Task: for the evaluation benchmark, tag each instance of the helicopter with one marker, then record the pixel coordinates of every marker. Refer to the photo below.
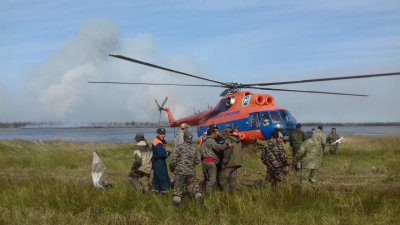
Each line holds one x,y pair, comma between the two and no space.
254,115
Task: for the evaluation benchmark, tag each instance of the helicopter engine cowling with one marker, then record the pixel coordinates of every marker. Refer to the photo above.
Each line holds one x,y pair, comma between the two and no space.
269,100
258,99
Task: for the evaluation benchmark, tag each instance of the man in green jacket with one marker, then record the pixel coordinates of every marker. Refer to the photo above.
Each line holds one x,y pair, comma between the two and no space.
310,156
232,159
210,159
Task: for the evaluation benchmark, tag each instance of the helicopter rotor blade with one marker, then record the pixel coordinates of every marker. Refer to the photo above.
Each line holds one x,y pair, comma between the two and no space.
323,79
159,84
163,68
308,91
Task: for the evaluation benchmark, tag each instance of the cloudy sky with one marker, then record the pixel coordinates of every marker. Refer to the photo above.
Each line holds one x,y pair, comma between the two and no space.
50,49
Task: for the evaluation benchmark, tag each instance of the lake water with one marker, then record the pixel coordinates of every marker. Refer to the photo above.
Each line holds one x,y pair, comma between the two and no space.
126,135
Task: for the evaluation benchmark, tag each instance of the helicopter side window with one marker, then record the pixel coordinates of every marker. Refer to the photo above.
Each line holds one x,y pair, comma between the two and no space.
255,120
275,116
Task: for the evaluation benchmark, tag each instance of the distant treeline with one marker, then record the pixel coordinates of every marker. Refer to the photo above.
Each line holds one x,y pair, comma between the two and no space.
353,124
76,124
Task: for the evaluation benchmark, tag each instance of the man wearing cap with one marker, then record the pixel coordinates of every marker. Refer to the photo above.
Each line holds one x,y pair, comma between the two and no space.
210,159
179,135
183,165
160,181
141,166
296,138
232,159
275,158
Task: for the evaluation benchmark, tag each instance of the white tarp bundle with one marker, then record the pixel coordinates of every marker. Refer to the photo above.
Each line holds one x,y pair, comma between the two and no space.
98,169
338,141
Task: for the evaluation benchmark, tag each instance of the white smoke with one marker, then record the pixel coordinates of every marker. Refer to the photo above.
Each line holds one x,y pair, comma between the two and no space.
59,89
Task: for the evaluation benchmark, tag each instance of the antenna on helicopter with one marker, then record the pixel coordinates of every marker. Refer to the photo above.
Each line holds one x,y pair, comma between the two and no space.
160,108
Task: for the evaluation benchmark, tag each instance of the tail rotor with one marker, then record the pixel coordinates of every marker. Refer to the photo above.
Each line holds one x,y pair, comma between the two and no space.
160,108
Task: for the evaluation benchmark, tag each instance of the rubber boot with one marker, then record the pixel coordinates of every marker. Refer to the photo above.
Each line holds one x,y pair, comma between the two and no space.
176,200
199,198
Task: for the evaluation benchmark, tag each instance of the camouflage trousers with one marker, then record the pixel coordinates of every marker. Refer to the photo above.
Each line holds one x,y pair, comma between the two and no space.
333,149
210,176
228,178
275,175
187,183
140,180
308,175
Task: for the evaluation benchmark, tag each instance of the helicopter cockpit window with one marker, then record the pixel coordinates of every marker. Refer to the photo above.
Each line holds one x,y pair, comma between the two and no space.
254,120
265,120
275,116
222,106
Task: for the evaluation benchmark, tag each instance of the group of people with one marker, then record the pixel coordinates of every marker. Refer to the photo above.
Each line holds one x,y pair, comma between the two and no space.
220,157
307,152
308,149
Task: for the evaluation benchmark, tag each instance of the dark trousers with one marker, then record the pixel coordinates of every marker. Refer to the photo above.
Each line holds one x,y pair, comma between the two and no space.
160,181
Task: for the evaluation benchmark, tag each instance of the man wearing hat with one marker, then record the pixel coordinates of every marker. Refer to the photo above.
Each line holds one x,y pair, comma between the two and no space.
160,181
183,165
232,159
179,135
141,166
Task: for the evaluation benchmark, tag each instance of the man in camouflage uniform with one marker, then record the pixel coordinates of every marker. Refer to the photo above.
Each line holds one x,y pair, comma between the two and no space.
296,138
275,158
210,159
320,136
183,163
232,160
332,137
139,176
310,156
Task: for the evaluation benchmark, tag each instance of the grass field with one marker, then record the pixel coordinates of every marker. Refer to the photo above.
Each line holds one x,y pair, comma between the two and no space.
50,183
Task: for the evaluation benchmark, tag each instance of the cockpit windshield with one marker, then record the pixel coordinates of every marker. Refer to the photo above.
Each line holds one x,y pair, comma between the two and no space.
286,116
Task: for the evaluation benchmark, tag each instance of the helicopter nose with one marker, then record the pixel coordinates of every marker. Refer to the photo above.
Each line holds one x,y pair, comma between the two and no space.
266,129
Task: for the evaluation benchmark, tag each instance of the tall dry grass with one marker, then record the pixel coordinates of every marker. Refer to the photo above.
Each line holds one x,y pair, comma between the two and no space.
49,183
